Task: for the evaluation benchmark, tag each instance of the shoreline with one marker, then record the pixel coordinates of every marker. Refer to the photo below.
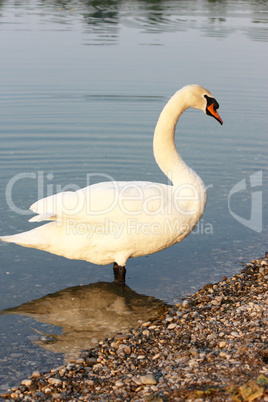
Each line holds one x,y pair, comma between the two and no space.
211,347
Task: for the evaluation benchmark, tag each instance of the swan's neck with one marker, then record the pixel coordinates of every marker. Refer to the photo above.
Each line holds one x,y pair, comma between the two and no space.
165,152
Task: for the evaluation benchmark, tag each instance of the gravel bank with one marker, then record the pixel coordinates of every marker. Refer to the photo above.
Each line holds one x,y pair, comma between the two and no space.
211,347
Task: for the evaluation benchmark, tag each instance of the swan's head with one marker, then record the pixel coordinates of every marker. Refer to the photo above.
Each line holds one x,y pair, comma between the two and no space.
200,98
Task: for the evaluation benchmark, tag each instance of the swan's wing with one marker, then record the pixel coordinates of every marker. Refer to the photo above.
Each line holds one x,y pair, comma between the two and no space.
52,207
87,201
107,199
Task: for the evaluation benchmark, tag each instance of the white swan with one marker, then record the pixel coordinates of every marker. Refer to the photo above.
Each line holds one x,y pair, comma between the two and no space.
110,222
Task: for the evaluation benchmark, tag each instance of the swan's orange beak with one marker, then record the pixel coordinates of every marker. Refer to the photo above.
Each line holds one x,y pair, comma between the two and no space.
213,112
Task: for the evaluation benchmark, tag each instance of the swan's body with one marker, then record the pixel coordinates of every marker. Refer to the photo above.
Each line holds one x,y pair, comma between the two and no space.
113,221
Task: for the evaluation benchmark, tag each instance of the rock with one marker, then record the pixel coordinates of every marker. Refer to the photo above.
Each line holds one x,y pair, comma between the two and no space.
141,357
54,381
169,319
251,391
91,360
80,361
137,380
57,396
146,324
262,381
146,332
127,350
214,302
27,382
36,374
148,379
235,334
119,384
121,337
210,337
185,304
6,395
39,394
157,356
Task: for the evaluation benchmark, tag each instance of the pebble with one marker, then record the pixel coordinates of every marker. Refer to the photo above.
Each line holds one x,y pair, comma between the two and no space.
146,324
169,319
57,396
38,394
121,337
80,361
157,356
137,381
235,334
185,304
54,381
148,379
127,350
212,346
27,382
47,390
119,384
36,374
146,332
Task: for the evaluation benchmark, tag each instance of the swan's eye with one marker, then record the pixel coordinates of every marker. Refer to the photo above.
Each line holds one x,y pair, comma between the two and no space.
211,101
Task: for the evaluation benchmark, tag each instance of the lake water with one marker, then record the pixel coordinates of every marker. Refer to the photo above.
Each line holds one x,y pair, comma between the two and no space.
81,89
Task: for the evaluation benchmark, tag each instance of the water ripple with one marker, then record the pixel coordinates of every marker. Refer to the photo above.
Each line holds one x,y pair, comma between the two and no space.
104,21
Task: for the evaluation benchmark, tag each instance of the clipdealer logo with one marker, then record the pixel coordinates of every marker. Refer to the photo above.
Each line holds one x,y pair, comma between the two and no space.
255,188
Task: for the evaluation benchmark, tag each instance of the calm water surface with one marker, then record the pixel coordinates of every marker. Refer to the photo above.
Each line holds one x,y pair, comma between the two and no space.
81,88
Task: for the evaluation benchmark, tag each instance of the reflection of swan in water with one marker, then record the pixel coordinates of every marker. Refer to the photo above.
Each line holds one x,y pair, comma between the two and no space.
88,314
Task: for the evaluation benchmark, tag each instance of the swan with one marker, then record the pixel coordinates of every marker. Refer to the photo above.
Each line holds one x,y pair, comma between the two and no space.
110,222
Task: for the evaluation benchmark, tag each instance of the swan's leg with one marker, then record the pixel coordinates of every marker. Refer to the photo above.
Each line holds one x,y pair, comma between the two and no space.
119,273
116,270
122,274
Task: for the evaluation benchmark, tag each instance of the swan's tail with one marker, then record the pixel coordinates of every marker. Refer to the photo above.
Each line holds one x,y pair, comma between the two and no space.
22,239
53,238
9,239
32,238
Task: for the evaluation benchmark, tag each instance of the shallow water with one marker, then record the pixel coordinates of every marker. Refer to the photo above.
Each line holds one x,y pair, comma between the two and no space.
81,89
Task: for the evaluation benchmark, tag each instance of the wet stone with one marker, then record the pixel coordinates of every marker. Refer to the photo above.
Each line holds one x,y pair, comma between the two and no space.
122,337
36,374
27,382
